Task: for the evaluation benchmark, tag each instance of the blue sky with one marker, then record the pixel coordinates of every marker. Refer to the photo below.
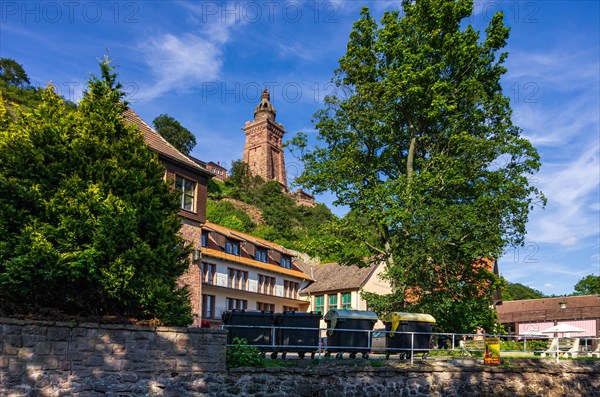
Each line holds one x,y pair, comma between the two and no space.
205,63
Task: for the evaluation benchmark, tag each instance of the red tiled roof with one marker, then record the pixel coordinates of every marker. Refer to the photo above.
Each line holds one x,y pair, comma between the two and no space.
335,277
530,310
254,263
253,240
159,144
243,236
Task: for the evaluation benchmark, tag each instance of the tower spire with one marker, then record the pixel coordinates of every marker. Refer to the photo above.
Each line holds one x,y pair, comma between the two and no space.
265,110
263,151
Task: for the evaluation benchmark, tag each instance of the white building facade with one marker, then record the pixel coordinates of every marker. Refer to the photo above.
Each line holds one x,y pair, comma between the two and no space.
240,271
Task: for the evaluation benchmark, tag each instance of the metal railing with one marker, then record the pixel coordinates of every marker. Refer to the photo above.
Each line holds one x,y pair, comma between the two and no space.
464,344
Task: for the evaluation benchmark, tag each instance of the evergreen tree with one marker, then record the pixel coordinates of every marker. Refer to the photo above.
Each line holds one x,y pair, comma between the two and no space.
87,224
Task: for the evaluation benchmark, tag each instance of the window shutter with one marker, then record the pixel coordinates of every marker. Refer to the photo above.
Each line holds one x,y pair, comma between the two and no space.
219,239
250,248
275,255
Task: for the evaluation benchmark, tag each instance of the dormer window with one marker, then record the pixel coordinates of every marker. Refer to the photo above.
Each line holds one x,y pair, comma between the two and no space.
232,247
187,190
286,262
204,239
261,255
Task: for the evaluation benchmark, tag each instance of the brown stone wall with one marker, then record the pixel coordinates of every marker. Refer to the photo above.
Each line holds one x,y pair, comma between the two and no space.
303,198
61,359
58,359
52,359
192,232
431,379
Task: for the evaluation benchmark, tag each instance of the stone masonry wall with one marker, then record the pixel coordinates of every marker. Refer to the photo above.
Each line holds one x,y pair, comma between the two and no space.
50,359
55,359
192,278
421,380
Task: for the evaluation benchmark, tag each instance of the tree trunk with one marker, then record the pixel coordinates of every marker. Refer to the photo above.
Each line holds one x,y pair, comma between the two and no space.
409,161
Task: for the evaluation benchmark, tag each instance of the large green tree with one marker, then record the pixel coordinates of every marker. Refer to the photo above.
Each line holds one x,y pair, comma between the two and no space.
418,139
176,134
12,73
87,224
15,85
589,285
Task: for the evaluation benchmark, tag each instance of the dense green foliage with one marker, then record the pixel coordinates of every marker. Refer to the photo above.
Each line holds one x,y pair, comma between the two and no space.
346,240
87,224
12,73
517,291
226,214
176,134
418,140
589,285
283,221
16,89
532,345
15,84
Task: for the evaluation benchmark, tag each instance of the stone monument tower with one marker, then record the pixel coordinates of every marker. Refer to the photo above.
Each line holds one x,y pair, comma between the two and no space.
263,151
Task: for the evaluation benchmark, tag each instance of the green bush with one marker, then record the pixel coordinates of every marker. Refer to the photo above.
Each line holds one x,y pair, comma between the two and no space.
225,214
511,345
532,345
537,345
218,189
266,232
243,355
88,226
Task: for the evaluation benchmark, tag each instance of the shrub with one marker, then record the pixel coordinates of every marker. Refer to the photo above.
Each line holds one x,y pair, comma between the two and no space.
88,226
225,214
243,355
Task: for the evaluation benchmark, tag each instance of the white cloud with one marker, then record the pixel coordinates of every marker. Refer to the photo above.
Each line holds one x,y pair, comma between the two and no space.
296,50
563,122
526,271
570,189
555,94
571,183
549,285
559,124
564,69
180,62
